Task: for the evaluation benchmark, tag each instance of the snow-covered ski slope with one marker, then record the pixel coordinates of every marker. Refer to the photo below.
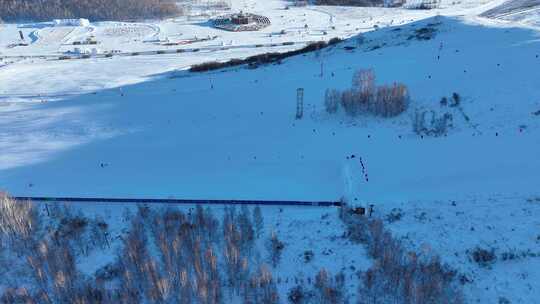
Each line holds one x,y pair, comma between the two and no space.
288,25
524,11
143,127
508,225
235,130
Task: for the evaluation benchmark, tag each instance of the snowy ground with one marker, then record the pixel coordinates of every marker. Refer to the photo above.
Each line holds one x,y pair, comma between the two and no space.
61,77
301,229
232,134
243,130
526,12
506,224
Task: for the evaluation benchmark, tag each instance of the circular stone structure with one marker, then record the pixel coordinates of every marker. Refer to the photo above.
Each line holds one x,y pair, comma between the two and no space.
241,22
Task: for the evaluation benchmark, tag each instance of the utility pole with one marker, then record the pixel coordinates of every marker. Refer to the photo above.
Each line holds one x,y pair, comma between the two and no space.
299,103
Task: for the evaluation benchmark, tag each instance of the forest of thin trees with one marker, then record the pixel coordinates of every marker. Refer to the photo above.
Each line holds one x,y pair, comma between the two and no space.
166,256
399,275
94,10
171,256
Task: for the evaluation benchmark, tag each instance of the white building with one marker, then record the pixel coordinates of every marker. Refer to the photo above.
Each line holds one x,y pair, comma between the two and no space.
71,22
84,51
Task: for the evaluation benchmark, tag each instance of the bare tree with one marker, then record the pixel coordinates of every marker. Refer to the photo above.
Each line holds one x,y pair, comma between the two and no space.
17,219
363,81
391,100
258,220
430,123
261,288
329,290
398,275
331,100
275,247
18,222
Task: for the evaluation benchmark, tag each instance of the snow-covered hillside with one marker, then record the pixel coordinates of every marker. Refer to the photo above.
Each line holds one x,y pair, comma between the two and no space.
162,137
144,126
297,25
524,11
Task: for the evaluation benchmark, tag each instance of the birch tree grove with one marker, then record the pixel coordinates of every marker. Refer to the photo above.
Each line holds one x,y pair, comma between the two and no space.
168,255
365,97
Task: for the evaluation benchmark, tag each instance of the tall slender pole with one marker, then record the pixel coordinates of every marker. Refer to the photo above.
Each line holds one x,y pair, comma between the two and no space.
299,103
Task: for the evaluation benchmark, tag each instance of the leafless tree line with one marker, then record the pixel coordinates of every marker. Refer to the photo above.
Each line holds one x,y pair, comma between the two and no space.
365,97
170,256
194,263
326,290
48,249
422,4
167,256
46,10
18,223
399,275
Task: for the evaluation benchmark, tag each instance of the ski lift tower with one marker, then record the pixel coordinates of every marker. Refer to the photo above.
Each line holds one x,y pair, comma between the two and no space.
299,103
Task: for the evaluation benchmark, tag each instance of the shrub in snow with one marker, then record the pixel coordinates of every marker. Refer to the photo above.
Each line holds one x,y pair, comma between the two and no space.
100,233
326,289
514,254
456,100
298,295
425,33
483,257
308,256
395,215
72,229
443,102
503,300
430,123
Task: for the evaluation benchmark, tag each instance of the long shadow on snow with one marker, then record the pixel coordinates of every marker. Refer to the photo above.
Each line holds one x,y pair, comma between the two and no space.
179,137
